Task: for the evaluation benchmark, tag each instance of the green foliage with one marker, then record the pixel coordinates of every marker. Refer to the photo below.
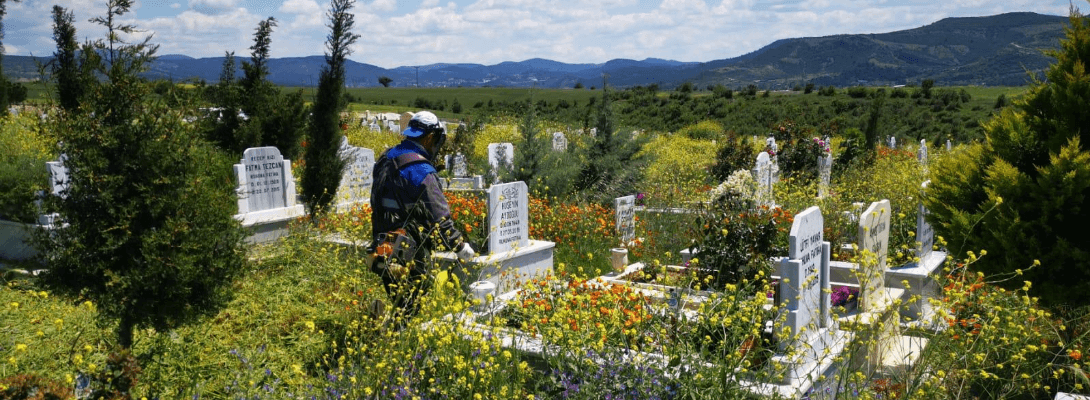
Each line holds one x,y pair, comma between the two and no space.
736,240
732,155
148,233
1022,195
324,165
613,164
676,165
529,153
66,69
385,81
799,151
223,125
703,130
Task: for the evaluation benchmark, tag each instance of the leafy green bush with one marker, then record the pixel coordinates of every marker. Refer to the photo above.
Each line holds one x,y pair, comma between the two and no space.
733,155
1022,195
22,166
148,232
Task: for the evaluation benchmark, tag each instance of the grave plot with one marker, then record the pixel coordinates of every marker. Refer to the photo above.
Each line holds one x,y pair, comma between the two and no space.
783,348
266,194
509,257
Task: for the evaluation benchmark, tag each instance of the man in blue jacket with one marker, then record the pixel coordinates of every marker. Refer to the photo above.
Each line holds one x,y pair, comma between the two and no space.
410,217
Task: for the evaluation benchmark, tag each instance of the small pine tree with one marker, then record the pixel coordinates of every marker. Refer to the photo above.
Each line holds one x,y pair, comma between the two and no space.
66,67
529,151
146,230
324,165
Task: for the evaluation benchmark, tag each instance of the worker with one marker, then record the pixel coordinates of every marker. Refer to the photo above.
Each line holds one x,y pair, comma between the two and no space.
410,217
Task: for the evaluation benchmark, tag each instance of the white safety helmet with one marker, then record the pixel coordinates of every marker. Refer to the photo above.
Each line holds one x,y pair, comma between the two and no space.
422,123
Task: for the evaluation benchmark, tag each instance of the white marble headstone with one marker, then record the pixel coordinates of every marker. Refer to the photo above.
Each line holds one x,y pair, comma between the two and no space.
921,154
264,180
356,182
762,173
560,142
948,145
874,239
626,217
925,235
805,273
508,217
58,176
825,172
459,165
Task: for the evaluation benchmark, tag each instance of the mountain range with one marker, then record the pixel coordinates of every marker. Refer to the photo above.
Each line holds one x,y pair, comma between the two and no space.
1000,50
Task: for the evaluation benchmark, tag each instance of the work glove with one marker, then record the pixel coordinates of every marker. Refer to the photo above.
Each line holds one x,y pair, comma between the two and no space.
466,253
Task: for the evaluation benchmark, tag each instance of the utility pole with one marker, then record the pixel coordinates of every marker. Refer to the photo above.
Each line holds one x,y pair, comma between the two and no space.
417,76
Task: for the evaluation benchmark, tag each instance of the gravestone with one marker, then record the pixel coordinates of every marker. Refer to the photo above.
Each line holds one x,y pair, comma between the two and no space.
500,154
626,217
804,287
948,145
560,142
873,239
892,142
374,127
921,155
266,193
58,176
356,181
262,178
508,217
459,165
825,172
774,158
925,235
762,173
593,132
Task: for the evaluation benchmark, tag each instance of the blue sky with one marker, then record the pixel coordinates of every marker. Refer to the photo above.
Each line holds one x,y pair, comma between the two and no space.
404,33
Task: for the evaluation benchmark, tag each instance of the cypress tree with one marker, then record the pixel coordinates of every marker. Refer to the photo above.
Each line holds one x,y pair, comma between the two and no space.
324,165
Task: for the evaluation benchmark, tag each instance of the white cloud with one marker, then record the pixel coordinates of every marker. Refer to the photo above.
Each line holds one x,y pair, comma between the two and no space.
387,5
212,7
175,6
300,7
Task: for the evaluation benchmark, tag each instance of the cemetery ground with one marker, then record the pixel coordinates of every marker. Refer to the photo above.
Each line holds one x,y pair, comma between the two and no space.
301,323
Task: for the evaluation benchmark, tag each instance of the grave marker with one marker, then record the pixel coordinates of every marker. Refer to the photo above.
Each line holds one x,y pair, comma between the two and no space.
626,217
264,179
762,173
825,172
921,155
356,181
508,217
948,145
925,235
58,176
560,142
873,238
459,168
804,286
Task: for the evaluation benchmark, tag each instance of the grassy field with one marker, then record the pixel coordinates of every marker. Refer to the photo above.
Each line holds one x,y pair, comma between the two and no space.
404,99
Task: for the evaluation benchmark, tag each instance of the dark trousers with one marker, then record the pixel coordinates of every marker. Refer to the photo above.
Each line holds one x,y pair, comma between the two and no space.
406,290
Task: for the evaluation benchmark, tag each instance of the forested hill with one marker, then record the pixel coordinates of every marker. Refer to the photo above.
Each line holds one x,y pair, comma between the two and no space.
995,50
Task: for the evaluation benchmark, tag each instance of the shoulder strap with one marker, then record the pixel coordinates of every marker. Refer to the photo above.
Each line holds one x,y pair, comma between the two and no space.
408,159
